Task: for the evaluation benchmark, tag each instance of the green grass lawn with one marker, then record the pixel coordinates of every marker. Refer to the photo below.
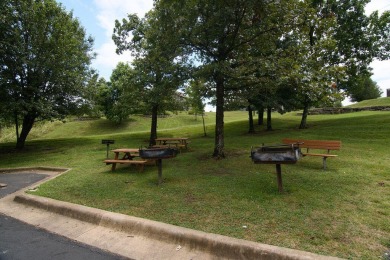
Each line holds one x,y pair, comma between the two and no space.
343,211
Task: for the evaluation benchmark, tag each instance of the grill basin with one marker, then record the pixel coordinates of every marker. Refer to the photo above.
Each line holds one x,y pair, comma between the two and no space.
157,153
276,154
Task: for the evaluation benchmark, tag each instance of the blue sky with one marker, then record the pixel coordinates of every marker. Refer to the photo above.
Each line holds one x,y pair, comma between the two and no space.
98,17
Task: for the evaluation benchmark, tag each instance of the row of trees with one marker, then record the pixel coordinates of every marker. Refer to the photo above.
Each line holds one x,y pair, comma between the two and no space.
262,55
124,95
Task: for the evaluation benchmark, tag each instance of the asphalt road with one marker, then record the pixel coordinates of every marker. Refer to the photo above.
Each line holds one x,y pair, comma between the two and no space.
21,241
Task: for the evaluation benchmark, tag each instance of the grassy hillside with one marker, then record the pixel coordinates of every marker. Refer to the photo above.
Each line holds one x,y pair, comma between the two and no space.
384,101
101,127
77,128
343,211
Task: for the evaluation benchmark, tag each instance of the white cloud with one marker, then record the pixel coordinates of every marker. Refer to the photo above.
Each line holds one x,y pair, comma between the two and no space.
107,11
382,69
377,5
110,10
381,75
107,59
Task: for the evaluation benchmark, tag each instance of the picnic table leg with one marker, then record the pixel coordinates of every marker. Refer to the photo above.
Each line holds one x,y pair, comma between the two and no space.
159,166
279,176
113,167
140,168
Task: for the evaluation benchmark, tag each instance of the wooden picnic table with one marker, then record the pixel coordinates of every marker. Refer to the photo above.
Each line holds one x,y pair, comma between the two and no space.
128,153
126,156
178,142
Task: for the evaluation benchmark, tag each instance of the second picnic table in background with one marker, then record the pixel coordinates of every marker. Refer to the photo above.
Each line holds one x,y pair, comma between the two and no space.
178,142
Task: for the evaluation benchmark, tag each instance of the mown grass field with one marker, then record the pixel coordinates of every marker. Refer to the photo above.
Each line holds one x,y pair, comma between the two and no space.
343,211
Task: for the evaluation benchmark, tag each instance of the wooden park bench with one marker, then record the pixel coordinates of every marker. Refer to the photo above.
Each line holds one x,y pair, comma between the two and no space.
327,145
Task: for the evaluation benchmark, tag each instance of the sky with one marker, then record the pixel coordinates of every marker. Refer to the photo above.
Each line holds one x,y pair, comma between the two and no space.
98,18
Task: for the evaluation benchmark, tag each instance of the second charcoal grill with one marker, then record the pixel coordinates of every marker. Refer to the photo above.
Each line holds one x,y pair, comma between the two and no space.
276,154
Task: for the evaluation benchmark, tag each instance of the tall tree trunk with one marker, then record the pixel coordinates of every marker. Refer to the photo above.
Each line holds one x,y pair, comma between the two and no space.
153,128
251,126
28,122
16,125
269,119
219,123
204,125
260,120
304,117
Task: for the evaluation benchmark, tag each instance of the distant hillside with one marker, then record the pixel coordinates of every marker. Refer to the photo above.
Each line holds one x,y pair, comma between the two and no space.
379,104
384,101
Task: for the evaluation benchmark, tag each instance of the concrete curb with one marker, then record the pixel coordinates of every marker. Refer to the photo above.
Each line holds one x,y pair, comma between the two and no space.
217,245
34,169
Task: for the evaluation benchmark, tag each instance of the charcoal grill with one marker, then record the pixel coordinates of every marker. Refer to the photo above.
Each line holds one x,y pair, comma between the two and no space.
158,154
276,154
108,142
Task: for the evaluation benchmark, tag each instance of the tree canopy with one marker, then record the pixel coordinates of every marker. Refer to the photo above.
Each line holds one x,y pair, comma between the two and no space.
217,33
44,61
365,88
251,52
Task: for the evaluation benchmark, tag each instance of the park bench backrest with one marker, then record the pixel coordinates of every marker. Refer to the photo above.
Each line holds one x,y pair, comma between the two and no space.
315,144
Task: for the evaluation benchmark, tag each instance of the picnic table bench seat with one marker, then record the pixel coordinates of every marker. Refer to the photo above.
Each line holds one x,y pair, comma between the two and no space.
139,163
326,145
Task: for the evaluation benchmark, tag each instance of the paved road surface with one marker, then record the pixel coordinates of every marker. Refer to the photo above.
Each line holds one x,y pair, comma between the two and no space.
21,241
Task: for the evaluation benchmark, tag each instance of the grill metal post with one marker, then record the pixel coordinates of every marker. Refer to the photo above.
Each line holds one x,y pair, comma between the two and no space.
108,142
159,166
279,176
158,154
276,154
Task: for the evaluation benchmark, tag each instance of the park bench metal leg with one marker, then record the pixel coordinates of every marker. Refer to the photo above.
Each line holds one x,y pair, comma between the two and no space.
324,162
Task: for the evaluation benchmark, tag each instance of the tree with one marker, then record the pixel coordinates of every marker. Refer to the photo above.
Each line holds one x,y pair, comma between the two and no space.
360,38
158,68
316,68
104,96
194,93
44,61
88,102
364,88
266,74
126,94
217,33
341,42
